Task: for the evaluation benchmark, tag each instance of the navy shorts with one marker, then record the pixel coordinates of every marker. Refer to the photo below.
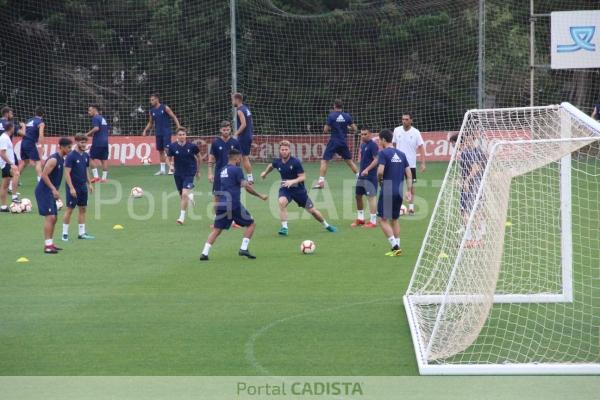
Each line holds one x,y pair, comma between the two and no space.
6,173
184,182
45,201
300,196
163,140
245,144
334,147
29,150
388,207
99,153
366,186
224,216
80,201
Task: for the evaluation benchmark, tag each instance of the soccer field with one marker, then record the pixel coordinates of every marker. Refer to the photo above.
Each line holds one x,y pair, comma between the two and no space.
138,302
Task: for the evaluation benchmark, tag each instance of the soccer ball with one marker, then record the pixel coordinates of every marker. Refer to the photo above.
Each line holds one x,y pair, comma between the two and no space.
26,205
137,192
308,247
146,161
403,210
15,208
59,204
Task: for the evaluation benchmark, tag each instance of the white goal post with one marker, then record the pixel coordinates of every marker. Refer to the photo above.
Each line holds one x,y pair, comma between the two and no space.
508,277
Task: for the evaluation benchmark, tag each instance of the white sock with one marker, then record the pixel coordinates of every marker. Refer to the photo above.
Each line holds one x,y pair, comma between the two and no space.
321,179
65,229
39,178
162,167
411,206
95,172
182,215
361,214
250,177
284,224
392,241
191,196
207,247
397,241
104,175
15,196
245,243
81,229
373,219
48,242
4,206
325,224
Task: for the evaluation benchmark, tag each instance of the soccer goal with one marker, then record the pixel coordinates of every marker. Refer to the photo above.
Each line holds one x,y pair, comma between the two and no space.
508,277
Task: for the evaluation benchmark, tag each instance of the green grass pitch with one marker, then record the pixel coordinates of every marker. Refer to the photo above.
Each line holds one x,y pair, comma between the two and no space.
138,301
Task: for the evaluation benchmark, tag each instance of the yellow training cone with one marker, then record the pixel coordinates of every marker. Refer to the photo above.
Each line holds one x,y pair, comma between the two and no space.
118,227
22,259
508,223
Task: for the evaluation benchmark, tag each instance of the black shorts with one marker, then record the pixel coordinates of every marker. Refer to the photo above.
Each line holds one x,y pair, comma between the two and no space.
6,173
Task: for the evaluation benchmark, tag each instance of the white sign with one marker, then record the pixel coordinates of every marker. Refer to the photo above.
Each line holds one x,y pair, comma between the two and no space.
575,39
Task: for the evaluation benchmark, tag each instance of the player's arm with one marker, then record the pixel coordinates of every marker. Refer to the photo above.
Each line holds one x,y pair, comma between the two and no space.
267,171
326,129
292,182
148,125
242,126
4,156
253,192
70,182
42,129
380,170
197,156
409,183
353,128
90,185
48,168
211,167
171,114
421,151
93,131
370,167
21,130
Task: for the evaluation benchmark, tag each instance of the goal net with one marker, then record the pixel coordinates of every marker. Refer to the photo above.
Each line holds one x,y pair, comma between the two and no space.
508,277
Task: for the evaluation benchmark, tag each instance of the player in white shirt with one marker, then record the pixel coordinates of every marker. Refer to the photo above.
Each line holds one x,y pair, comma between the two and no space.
408,140
7,165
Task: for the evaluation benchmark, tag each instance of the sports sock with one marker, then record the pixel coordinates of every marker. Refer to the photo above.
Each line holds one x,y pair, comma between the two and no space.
361,214
182,215
245,243
48,242
250,177
321,179
81,229
411,206
104,175
95,172
284,224
373,218
392,241
207,247
65,229
397,241
325,224
162,167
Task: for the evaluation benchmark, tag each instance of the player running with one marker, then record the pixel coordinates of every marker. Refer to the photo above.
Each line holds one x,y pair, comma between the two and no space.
245,130
33,141
77,186
393,168
219,154
186,159
46,192
160,116
337,124
366,183
292,187
7,165
229,207
99,149
408,140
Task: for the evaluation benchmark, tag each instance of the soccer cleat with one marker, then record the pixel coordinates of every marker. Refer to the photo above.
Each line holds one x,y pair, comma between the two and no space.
283,231
160,172
65,238
246,253
4,209
171,171
94,180
370,225
331,229
411,211
319,185
50,250
203,257
357,222
16,199
85,236
394,252
179,222
56,248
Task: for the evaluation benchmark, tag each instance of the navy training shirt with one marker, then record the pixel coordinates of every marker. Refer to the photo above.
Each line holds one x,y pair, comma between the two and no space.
289,170
184,157
395,163
78,162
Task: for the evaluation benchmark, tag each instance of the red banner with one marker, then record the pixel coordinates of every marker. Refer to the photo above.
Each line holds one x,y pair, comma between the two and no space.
131,150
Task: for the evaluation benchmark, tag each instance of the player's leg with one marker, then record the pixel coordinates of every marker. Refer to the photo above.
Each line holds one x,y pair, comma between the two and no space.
327,156
247,168
4,191
242,217
283,214
160,147
104,163
67,220
183,206
49,224
38,169
82,231
14,181
359,191
305,202
385,212
411,204
212,237
372,200
344,151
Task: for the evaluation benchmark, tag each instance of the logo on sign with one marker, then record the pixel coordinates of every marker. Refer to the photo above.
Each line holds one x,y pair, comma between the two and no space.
582,40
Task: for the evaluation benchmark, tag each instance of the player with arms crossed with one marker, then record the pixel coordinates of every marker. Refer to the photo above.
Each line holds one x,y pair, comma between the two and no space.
7,165
229,207
408,140
393,168
219,155
32,141
186,158
46,192
160,116
292,187
366,183
99,149
245,131
77,186
337,124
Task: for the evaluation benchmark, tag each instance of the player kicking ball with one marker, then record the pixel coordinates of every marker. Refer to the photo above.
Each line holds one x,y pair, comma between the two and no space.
46,192
229,207
393,166
366,183
78,185
186,160
292,187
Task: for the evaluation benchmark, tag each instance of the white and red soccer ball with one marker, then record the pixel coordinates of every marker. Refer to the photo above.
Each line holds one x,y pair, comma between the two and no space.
308,247
137,192
146,161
